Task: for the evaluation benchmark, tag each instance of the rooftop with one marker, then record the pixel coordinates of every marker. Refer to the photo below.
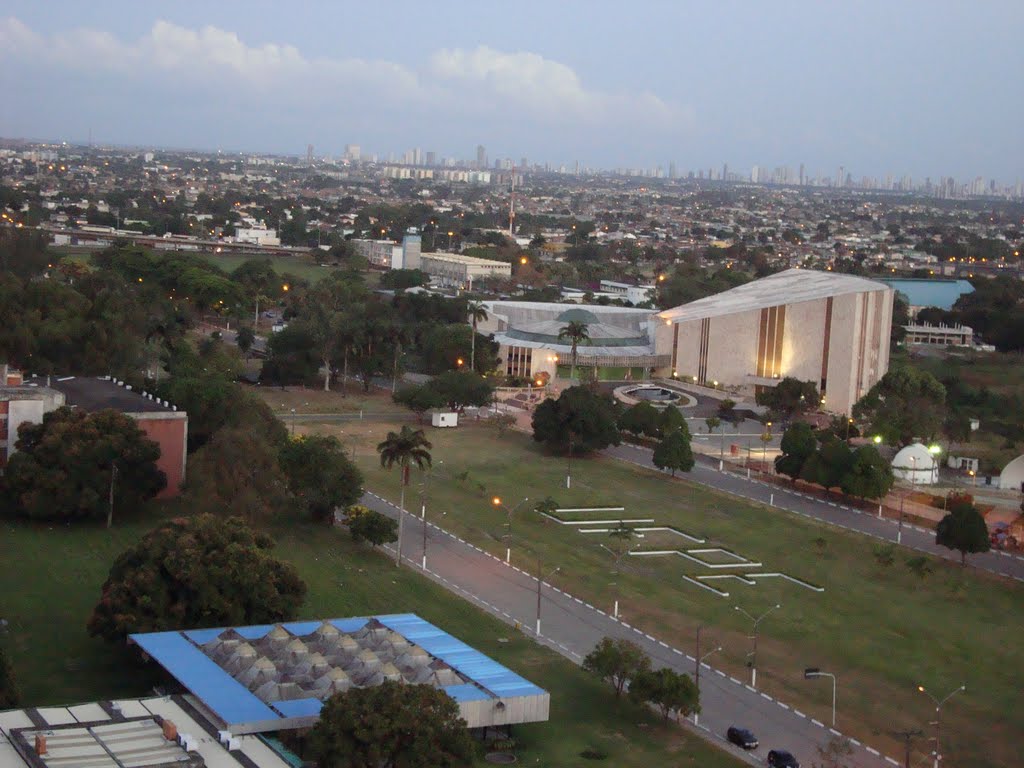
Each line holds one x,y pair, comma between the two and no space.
458,258
96,394
126,733
790,287
274,677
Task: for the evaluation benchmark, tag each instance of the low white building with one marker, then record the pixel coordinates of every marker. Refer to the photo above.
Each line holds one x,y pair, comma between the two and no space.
941,335
257,235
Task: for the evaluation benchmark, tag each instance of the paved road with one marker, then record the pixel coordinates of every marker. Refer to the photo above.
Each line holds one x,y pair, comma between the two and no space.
706,473
573,627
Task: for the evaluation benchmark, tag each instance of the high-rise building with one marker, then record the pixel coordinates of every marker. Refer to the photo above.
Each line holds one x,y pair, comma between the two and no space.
672,174
481,156
801,174
725,171
431,158
309,154
840,176
352,152
522,162
755,174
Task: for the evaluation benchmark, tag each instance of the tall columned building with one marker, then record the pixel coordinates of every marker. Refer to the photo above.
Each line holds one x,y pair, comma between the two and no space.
823,327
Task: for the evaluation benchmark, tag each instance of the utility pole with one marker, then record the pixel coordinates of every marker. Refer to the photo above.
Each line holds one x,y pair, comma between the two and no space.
908,737
698,660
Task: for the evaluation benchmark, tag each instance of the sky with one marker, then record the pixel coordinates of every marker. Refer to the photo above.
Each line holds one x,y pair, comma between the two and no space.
917,88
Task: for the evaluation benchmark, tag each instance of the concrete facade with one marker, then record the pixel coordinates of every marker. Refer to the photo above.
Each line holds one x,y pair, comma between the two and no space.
832,330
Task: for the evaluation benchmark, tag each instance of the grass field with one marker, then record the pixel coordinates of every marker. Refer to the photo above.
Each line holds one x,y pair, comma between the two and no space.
50,577
882,629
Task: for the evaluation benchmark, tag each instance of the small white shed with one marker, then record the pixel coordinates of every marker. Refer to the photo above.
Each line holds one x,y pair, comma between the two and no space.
444,418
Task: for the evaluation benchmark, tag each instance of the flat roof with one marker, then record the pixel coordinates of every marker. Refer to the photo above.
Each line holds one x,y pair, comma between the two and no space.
275,676
458,258
125,733
98,393
790,287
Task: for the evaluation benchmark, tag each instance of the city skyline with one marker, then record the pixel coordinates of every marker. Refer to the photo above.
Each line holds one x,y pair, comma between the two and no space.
912,91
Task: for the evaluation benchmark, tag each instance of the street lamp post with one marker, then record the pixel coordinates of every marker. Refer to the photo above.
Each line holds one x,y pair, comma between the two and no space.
509,511
423,510
765,439
815,672
753,653
937,754
540,581
698,660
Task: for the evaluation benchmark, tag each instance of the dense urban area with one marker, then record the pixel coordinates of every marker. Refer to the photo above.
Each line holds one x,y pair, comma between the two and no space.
610,465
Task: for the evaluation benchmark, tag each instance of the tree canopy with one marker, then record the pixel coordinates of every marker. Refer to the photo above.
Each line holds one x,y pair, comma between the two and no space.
579,419
195,572
372,527
798,445
906,403
63,466
668,690
674,453
617,661
642,418
391,726
963,529
319,475
789,398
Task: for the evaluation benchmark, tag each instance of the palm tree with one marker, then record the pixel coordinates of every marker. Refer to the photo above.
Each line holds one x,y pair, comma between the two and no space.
476,312
405,448
576,331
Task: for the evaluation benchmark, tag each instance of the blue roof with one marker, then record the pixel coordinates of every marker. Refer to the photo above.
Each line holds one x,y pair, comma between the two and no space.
181,655
929,293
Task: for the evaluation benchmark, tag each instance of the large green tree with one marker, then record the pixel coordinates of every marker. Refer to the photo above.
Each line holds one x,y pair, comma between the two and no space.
459,389
579,421
63,467
668,690
906,403
617,661
671,419
790,397
828,465
320,476
641,418
869,475
674,453
201,571
798,445
391,726
963,529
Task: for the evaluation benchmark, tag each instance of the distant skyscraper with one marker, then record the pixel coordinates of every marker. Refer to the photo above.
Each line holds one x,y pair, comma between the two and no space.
725,171
352,152
840,176
309,154
755,174
522,162
417,156
801,174
672,174
431,158
481,156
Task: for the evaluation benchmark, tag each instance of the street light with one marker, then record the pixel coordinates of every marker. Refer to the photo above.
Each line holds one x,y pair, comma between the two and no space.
938,709
753,653
815,672
423,509
698,660
540,581
496,501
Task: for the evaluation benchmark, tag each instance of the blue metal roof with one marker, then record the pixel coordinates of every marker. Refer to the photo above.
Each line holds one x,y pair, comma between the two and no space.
181,655
231,700
929,293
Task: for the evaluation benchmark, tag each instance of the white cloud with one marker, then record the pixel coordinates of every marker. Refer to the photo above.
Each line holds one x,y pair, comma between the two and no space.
452,82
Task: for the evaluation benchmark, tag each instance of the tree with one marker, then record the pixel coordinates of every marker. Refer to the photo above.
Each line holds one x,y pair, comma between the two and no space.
476,312
579,421
727,410
671,419
63,467
789,398
617,661
245,338
828,465
459,389
406,448
238,473
418,398
391,725
201,571
869,475
577,332
906,403
400,279
668,690
963,529
642,418
798,445
320,475
674,453
8,686
374,527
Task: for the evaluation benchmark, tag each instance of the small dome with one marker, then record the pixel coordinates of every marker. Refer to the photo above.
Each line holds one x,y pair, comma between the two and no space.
577,315
916,465
1012,477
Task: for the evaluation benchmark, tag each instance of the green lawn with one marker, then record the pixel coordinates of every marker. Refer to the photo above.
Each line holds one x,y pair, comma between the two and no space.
882,630
50,577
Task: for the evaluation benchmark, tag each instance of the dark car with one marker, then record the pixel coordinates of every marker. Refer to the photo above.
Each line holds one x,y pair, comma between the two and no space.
780,758
741,737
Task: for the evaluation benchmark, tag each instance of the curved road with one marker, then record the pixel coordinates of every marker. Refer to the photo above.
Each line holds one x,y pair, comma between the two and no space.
573,627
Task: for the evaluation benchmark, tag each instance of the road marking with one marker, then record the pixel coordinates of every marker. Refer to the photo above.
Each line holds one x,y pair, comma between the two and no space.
798,713
817,722
784,706
766,696
834,732
873,751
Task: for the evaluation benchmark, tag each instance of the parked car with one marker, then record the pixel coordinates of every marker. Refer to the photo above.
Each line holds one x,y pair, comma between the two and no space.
741,737
780,758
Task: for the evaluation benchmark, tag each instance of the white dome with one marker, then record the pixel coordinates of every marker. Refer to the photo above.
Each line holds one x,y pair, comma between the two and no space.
915,464
1012,478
